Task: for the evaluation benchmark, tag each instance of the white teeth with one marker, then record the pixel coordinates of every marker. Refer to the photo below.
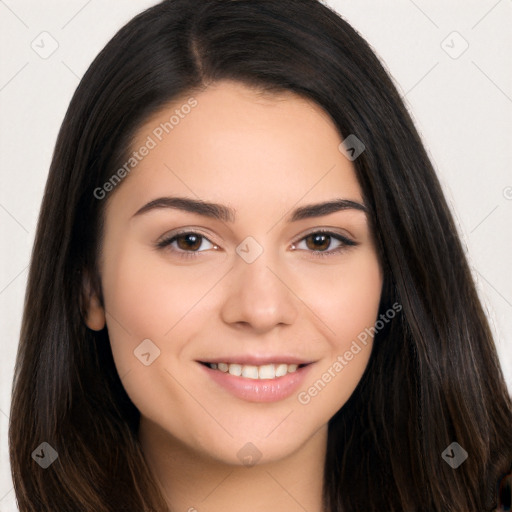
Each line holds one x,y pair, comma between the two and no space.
281,370
235,369
266,371
251,372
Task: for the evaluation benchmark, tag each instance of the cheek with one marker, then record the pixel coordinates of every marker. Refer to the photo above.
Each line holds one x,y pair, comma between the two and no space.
347,306
147,298
347,299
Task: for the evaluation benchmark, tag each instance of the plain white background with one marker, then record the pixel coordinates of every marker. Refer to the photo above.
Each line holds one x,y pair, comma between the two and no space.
449,60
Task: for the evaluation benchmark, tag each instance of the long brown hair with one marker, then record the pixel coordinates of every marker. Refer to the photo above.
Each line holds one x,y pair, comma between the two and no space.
433,377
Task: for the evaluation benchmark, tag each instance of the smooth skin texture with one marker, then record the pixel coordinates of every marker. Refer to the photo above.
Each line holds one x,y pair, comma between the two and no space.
263,155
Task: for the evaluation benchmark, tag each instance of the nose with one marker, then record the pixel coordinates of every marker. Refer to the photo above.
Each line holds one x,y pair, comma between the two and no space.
259,296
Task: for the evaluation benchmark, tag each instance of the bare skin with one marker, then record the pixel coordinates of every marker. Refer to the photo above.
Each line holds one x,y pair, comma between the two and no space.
263,156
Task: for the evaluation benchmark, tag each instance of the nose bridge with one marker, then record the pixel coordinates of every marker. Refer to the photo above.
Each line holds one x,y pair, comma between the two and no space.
257,293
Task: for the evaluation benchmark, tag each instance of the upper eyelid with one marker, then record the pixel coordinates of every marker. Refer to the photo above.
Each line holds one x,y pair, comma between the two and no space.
325,230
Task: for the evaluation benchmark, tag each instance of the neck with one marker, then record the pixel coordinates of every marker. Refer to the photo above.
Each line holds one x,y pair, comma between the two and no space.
192,481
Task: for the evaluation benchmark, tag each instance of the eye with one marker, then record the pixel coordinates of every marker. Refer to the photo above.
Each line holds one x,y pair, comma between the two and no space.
188,243
318,241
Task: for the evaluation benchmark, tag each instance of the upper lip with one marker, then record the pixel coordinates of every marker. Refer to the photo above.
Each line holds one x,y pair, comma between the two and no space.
256,360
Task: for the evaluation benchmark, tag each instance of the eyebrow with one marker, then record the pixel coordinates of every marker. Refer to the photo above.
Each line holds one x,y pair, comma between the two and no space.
228,214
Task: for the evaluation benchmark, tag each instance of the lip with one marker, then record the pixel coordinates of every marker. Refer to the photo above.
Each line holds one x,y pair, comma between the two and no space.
257,360
255,390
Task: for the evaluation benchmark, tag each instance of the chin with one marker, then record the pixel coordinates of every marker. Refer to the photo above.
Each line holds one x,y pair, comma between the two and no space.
247,450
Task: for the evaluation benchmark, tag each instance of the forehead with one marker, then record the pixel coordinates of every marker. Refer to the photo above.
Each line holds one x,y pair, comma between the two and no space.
234,144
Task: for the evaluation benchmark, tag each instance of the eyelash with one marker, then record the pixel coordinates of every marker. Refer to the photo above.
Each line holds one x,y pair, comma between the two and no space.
345,243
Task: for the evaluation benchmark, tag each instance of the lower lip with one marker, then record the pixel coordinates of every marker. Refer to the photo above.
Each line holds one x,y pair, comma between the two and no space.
256,390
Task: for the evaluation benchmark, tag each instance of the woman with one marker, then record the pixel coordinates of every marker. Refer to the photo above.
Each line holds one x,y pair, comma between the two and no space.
326,348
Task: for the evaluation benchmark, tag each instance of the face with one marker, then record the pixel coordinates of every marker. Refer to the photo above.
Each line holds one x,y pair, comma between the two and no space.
257,284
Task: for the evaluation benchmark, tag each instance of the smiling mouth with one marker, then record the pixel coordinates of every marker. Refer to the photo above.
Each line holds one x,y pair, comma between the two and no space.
263,372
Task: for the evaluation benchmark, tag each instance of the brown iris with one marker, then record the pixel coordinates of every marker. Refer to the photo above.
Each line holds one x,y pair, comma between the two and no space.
318,238
190,241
